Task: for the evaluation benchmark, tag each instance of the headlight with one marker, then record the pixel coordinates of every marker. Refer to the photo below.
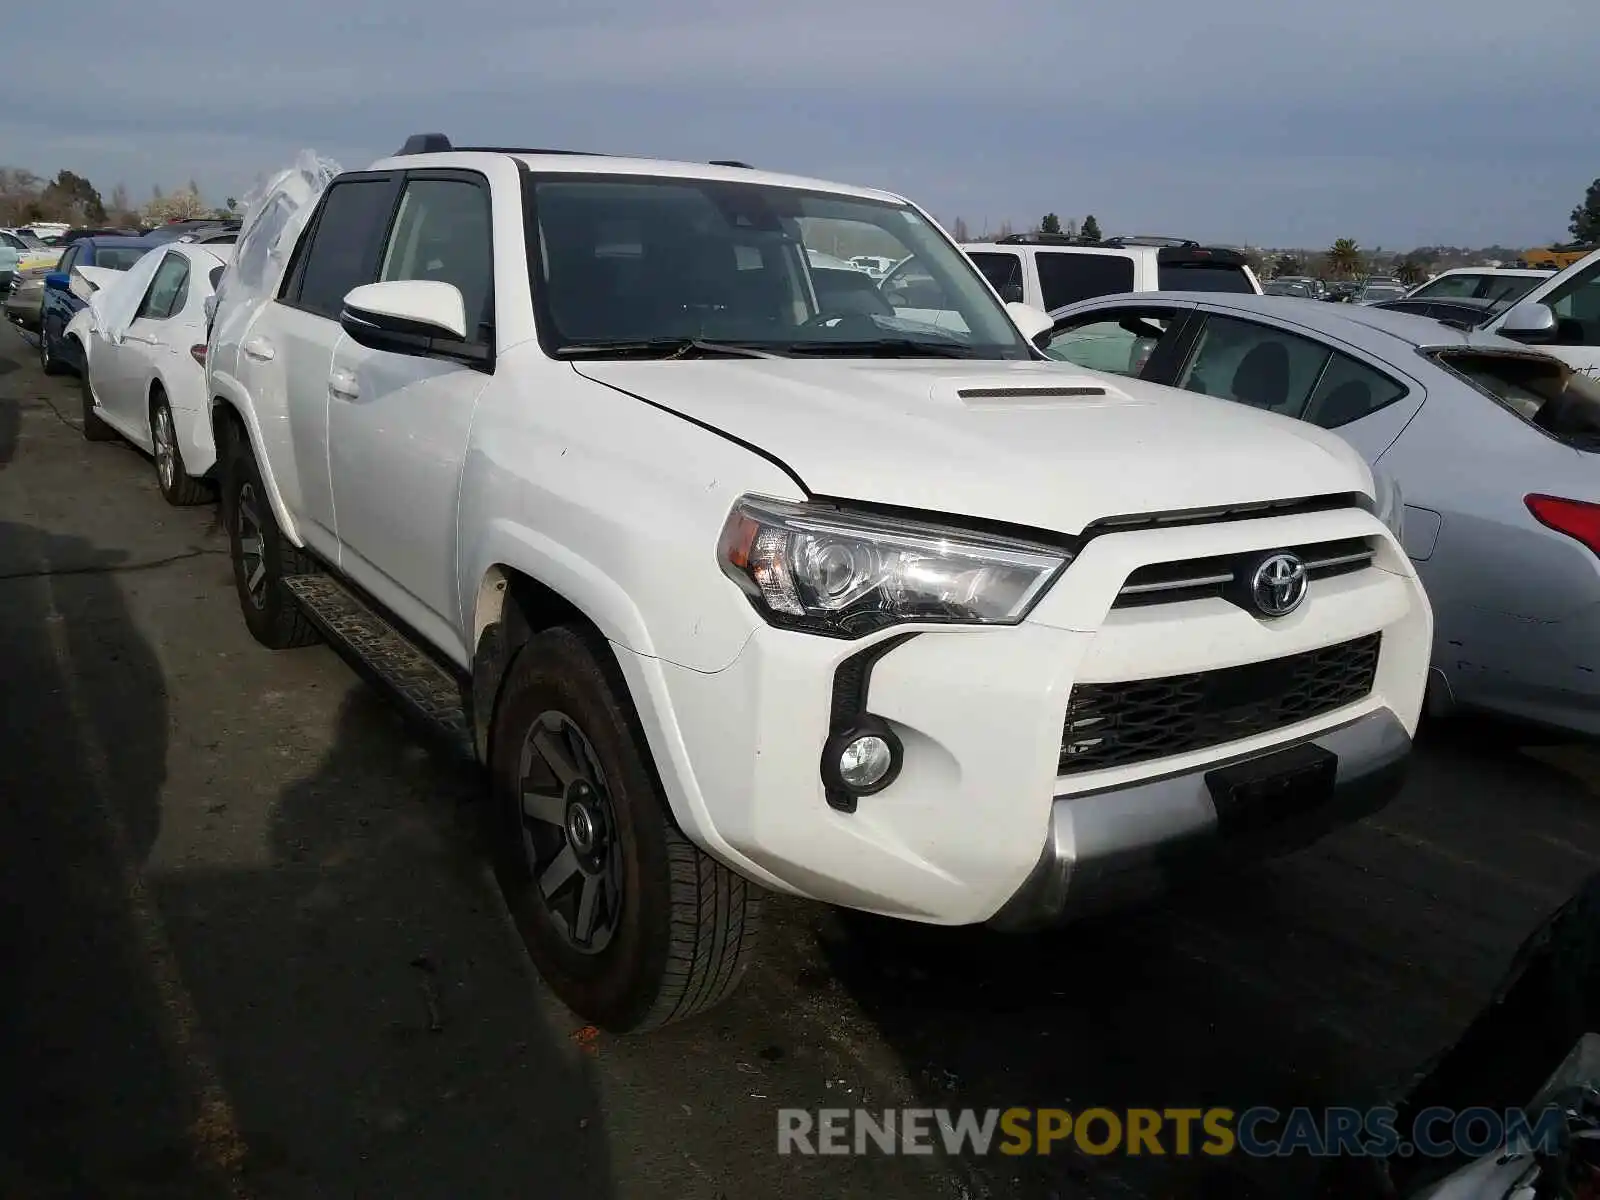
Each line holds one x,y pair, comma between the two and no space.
847,574
1391,505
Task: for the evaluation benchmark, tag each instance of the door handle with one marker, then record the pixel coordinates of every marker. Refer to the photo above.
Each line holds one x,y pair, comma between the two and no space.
342,385
259,349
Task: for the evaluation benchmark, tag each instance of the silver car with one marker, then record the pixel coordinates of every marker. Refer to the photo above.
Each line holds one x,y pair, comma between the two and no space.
1495,448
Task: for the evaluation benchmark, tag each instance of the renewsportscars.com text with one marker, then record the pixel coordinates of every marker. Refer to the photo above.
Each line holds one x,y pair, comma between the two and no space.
1260,1132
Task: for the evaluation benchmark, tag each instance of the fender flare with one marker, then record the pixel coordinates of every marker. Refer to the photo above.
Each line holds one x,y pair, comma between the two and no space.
222,397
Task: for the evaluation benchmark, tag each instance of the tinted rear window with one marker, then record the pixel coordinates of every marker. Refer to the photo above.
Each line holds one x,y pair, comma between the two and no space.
1202,277
118,258
1543,391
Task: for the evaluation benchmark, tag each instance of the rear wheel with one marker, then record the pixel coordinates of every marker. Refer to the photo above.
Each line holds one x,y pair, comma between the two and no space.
630,923
177,486
94,429
262,556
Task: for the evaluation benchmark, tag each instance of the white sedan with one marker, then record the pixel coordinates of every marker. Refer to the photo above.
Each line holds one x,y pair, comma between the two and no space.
146,371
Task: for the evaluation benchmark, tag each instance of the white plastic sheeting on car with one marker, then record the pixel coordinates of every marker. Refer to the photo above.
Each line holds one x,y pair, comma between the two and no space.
274,215
115,301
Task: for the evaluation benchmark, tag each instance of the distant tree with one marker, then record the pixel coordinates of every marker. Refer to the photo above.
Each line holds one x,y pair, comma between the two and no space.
1050,224
1287,264
182,205
1091,228
1585,225
233,206
71,197
19,196
1411,271
1344,258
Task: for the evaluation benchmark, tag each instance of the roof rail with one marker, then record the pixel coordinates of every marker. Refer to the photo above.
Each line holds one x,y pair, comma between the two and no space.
1043,239
438,143
1148,239
731,162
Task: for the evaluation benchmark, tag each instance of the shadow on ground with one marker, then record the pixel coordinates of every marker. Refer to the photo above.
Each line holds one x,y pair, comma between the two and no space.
1326,978
351,1018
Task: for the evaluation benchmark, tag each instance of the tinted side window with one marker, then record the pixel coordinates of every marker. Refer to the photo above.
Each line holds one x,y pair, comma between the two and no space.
442,234
1004,271
344,248
1577,308
1120,342
1348,391
167,290
1067,278
1257,365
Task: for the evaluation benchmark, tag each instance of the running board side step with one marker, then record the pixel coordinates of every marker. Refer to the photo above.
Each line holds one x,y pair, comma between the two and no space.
428,695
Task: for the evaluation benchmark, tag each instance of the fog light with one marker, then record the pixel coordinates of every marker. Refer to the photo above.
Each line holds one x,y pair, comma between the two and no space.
860,759
865,761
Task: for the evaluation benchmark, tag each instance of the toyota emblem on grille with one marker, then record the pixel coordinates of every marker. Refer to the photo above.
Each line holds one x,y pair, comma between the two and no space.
1278,585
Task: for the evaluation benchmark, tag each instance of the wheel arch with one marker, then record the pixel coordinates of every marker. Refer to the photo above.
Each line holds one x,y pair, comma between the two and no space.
229,420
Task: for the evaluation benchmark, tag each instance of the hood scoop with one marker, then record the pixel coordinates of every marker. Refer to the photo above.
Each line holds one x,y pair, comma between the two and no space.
1073,392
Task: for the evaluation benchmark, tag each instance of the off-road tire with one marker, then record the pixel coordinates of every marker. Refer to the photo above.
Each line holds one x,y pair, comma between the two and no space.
688,927
184,490
276,621
94,429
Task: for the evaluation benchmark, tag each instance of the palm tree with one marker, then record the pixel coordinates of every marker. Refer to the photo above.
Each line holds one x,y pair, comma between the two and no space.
1345,257
1409,272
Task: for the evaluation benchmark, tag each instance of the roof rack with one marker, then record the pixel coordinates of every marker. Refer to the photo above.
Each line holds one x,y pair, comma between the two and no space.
438,143
1045,239
1147,239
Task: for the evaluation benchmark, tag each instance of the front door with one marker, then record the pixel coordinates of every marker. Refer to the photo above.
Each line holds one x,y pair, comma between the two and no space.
398,424
1574,296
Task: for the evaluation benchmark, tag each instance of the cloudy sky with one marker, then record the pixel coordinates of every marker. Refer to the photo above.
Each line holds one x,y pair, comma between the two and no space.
1276,122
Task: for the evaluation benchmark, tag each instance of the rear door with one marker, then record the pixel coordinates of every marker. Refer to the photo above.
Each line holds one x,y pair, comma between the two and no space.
145,348
1574,296
1298,372
290,348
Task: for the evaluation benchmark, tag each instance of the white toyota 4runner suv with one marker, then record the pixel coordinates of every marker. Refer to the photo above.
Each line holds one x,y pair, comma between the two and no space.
735,581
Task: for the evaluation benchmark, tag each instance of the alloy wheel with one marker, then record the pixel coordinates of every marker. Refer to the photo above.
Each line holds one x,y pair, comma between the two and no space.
569,832
252,545
166,447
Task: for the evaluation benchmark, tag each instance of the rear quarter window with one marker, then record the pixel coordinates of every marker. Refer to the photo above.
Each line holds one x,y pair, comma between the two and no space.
1202,277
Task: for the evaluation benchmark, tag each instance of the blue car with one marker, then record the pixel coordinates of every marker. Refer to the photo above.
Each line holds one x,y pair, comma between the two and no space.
58,353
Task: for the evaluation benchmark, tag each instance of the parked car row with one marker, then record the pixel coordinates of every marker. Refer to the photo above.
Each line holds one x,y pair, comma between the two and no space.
741,569
1492,433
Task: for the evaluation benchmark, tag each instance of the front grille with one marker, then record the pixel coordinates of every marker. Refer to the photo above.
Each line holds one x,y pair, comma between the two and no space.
1199,578
1118,724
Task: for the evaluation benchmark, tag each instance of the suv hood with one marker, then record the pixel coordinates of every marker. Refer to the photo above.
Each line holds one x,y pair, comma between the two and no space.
988,439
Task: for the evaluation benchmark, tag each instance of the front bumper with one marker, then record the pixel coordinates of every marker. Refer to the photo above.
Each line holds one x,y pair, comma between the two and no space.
957,837
1110,848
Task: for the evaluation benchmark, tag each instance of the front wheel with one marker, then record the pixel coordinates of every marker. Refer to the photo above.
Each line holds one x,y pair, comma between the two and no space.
631,924
48,362
262,556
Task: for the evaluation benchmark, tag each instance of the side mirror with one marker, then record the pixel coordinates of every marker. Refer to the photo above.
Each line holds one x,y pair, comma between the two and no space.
407,316
1035,324
1012,293
57,281
1530,322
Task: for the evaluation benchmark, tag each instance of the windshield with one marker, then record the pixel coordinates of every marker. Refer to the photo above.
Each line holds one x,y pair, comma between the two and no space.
1543,391
632,265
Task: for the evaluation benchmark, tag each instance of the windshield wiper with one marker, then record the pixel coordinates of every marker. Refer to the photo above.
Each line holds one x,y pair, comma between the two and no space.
883,348
666,347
